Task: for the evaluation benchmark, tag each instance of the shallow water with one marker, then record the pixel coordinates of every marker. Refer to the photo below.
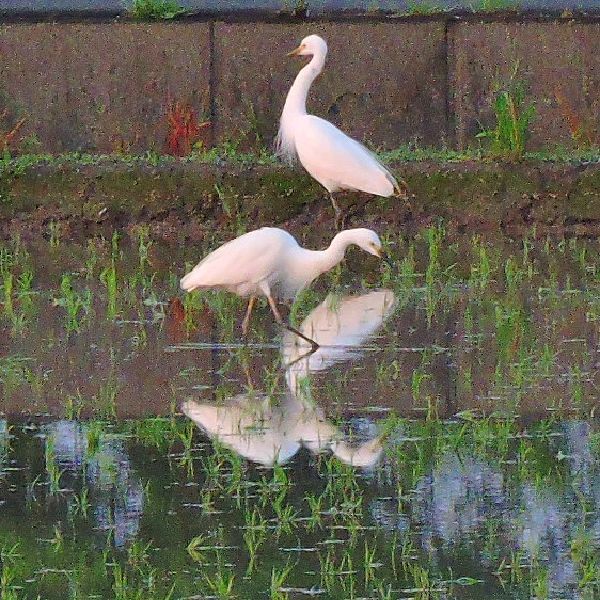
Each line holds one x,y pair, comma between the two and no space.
442,442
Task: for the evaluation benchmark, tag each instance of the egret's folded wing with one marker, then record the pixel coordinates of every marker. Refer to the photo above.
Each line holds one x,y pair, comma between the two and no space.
329,154
247,259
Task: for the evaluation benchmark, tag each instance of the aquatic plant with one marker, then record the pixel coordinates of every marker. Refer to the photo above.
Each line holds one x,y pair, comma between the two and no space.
255,535
278,578
108,277
221,584
73,302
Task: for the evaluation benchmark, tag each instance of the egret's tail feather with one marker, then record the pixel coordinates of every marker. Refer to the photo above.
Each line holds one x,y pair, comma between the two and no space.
285,146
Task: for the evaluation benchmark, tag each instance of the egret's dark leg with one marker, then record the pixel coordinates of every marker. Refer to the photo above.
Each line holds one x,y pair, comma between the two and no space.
313,345
278,318
246,320
401,189
339,215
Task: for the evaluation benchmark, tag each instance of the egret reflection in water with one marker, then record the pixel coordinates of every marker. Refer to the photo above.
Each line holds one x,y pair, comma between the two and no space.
253,427
341,326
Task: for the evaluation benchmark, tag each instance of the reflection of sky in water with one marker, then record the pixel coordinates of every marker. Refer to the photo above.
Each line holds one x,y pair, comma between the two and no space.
70,443
459,503
544,532
579,452
549,521
457,498
455,503
115,491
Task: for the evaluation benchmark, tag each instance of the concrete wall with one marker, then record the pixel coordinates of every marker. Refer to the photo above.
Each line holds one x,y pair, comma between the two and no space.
105,86
558,61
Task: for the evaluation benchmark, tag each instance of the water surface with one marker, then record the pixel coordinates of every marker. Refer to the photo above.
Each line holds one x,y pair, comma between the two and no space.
442,442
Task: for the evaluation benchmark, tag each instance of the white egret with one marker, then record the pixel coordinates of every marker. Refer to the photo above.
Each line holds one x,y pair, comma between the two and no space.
269,262
335,160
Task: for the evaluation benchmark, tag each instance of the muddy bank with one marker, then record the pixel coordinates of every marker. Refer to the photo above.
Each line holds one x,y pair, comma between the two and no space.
185,200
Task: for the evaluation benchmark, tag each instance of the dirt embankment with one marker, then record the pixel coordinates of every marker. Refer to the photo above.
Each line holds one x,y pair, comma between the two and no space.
185,200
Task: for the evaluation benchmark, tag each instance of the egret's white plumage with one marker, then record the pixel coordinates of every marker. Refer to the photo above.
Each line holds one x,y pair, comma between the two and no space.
335,160
269,262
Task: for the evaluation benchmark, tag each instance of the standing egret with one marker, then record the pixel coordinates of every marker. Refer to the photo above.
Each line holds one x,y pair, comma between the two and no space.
335,160
269,262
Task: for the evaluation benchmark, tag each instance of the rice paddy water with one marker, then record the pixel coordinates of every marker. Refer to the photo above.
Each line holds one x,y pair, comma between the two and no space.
442,443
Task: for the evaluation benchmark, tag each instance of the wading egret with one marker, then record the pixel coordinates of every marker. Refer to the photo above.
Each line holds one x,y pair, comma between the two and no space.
335,160
269,262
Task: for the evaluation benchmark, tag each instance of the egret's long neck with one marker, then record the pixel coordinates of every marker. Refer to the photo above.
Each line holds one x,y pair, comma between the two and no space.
320,261
295,103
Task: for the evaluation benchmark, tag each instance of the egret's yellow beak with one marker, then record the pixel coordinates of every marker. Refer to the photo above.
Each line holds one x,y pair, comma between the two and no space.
378,252
295,52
